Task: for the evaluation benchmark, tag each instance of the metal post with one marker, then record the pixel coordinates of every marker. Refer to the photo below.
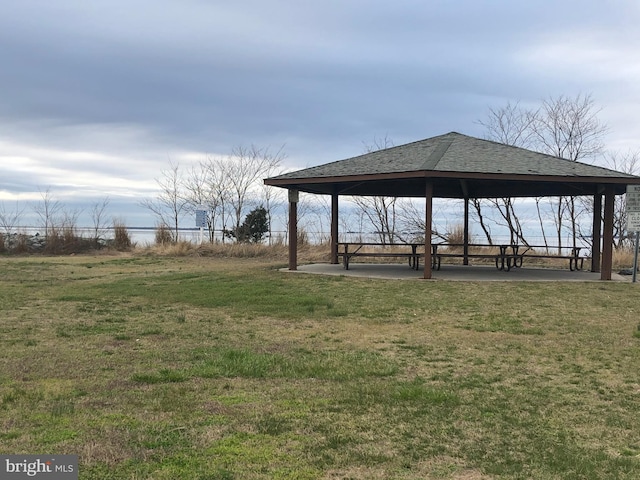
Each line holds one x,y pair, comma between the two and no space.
635,258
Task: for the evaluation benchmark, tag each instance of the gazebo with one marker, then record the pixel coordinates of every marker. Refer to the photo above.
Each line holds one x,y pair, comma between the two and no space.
459,167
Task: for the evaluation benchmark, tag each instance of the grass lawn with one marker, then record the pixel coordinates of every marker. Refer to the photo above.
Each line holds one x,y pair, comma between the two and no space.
202,368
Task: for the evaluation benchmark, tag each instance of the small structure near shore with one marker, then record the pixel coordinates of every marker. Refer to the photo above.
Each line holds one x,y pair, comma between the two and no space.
459,166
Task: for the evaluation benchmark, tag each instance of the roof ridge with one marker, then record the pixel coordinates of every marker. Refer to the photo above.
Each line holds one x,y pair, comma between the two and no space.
437,154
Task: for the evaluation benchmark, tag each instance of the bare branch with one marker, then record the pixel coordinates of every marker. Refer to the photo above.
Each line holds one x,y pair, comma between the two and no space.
243,173
511,125
98,211
170,203
48,210
10,219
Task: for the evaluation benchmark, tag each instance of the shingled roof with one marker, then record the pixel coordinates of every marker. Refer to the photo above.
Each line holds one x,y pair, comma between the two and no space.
459,166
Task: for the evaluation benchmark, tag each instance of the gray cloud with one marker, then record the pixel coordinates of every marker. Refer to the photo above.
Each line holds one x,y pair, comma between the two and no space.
133,84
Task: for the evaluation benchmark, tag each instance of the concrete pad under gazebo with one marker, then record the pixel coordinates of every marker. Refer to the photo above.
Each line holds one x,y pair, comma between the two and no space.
463,167
475,273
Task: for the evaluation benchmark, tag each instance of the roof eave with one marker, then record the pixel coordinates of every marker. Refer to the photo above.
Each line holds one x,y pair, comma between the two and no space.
426,174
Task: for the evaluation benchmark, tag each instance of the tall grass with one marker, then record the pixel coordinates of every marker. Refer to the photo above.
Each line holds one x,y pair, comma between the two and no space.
163,235
623,257
121,238
456,235
65,240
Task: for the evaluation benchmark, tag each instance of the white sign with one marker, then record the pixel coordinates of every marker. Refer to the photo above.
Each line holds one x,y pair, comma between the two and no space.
633,221
201,218
633,198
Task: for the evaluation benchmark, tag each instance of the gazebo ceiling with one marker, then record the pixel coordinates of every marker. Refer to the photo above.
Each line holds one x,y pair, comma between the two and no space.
458,166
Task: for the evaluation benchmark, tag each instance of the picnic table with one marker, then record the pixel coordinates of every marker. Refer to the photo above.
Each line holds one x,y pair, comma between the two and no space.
504,256
409,251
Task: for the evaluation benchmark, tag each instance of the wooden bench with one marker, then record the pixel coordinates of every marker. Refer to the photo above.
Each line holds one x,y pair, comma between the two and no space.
505,258
502,262
576,262
413,257
509,256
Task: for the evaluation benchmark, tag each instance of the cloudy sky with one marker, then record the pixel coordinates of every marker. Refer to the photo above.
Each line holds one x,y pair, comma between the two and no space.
96,97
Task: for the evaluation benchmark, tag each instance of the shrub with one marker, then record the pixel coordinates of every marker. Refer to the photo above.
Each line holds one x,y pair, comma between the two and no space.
303,237
253,229
19,244
181,248
53,241
121,238
71,242
64,240
456,235
164,235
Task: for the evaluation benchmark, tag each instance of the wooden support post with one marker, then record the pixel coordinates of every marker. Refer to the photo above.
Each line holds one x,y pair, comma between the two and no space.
334,228
293,229
427,229
465,192
466,232
607,235
597,232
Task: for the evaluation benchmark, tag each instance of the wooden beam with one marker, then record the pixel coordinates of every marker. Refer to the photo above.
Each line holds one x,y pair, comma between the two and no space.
464,186
427,229
607,235
293,229
466,232
597,232
334,228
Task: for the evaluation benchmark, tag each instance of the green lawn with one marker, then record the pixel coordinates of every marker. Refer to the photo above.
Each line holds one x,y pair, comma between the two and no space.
202,368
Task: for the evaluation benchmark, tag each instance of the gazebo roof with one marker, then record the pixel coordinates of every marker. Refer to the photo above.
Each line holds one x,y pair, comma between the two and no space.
458,166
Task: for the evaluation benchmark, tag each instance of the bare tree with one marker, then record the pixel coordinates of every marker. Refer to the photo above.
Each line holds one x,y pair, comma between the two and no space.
511,125
170,203
220,193
10,219
69,221
313,212
411,217
381,212
477,203
563,127
569,128
225,186
347,220
98,212
628,162
48,210
540,214
243,172
270,196
198,190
